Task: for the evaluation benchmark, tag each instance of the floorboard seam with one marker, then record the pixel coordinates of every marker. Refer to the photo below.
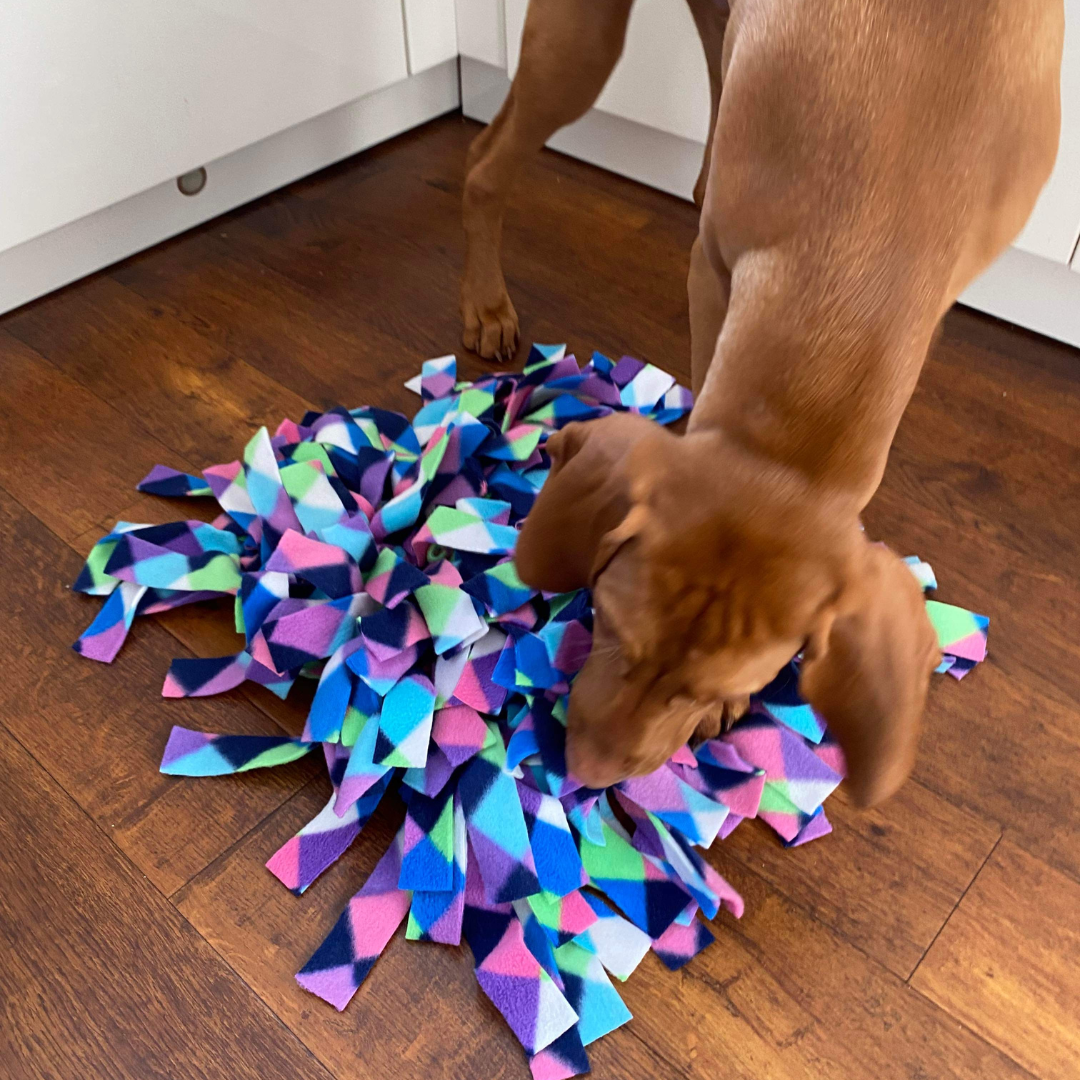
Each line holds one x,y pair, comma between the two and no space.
131,818
756,951
654,1052
948,918
173,897
258,997
960,803
976,1035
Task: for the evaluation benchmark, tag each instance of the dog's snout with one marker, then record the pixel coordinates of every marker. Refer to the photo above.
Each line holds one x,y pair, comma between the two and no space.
593,764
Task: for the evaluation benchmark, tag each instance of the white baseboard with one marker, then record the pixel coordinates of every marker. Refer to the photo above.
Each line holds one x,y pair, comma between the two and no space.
56,258
1032,292
648,155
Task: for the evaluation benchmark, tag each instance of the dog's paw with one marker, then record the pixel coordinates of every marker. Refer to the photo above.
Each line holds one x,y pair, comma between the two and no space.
720,719
491,323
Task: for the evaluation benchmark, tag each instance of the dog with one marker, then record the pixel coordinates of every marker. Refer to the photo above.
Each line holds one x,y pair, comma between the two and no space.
868,159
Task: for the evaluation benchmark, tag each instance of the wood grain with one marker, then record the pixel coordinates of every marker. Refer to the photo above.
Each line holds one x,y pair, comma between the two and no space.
1004,742
197,398
1006,963
384,250
327,353
101,976
885,877
66,455
99,729
865,1021
79,465
782,996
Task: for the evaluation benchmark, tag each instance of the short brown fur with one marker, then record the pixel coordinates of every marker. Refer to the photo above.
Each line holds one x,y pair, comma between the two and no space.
868,159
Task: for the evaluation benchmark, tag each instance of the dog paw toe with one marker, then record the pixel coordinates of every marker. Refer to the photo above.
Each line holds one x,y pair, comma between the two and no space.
491,327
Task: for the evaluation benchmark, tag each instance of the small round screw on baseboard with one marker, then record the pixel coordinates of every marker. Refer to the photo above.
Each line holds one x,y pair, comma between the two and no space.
191,183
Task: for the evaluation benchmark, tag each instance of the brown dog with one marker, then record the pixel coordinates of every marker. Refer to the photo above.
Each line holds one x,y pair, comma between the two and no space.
869,158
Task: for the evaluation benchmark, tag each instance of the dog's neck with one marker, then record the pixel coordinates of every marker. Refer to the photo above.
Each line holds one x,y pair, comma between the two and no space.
810,381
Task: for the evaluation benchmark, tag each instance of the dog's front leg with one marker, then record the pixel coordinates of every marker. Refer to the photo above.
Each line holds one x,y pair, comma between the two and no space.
567,52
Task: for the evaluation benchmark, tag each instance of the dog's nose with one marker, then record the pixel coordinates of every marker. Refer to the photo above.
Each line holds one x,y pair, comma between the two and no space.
591,766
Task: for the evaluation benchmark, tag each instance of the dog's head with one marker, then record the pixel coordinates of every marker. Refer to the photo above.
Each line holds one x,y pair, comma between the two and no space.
710,569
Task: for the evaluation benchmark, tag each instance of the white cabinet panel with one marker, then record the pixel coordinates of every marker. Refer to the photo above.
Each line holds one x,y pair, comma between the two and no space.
660,81
431,33
1054,225
1030,291
91,242
100,100
481,31
515,23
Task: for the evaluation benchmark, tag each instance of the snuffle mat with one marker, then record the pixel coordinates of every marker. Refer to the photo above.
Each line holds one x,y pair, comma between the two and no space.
375,554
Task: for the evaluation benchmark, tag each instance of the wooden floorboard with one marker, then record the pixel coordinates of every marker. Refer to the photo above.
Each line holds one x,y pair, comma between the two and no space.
101,977
70,457
783,996
197,398
780,996
420,1014
333,291
885,876
1006,963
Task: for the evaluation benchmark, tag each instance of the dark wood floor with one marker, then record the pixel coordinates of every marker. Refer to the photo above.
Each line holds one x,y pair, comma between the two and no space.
140,935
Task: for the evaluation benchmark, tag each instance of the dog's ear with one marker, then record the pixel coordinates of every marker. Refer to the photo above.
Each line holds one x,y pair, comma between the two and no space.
585,510
866,671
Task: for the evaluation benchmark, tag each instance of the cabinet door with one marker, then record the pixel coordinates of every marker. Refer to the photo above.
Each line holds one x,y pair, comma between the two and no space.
1054,225
660,81
481,30
103,100
431,33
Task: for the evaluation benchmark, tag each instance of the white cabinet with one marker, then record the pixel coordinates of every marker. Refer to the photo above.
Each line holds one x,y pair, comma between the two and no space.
100,100
661,79
103,103
431,33
1054,226
481,31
